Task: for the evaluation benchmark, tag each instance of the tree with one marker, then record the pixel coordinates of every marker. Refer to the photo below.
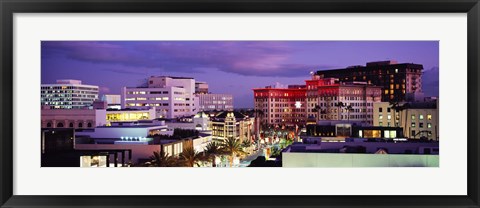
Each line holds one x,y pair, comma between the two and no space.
212,150
395,106
232,147
190,157
259,117
317,109
339,105
349,109
405,108
160,159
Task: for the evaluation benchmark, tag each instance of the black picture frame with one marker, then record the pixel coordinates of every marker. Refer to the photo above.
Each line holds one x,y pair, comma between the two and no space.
10,7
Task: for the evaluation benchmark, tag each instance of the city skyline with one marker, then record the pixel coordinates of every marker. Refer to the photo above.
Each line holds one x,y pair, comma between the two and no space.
234,67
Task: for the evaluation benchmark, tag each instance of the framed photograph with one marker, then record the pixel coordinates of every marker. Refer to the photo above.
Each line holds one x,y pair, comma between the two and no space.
266,103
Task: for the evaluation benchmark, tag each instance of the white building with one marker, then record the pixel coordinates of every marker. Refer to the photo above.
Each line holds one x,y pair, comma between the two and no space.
418,119
125,132
113,101
68,94
172,97
219,102
201,88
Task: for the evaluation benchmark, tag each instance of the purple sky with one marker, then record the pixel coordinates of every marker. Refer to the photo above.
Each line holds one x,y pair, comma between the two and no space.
233,67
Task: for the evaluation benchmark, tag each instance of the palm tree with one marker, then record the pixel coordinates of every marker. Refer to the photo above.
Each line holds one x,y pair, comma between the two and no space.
212,150
349,109
339,105
190,157
395,106
405,108
317,109
259,116
246,143
232,147
160,159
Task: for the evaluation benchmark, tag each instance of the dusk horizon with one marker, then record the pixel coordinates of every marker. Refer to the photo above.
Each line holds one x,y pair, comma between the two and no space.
230,67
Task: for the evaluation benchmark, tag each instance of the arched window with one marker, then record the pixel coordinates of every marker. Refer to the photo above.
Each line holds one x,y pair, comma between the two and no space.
60,125
70,125
89,125
49,125
80,125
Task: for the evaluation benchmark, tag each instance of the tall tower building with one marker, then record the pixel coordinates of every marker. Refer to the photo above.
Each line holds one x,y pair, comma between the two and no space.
399,82
68,94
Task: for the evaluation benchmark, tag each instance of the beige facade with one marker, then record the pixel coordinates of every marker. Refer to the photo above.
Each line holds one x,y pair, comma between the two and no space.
351,101
418,120
219,102
232,125
68,118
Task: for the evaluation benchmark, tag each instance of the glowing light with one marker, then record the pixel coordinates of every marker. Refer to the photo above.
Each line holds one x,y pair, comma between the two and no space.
298,104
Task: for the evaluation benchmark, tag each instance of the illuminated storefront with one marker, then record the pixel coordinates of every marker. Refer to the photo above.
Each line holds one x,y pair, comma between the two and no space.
113,115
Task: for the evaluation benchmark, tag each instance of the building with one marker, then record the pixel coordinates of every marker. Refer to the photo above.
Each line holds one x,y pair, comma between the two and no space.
72,118
312,153
230,124
418,119
201,88
59,149
218,102
172,97
329,99
319,99
126,115
399,82
113,101
68,94
128,131
343,130
278,105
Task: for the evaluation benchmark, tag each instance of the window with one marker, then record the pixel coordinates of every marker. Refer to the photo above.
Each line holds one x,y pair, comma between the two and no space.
380,117
70,125
420,116
89,125
429,116
49,125
413,133
380,123
413,124
413,116
389,117
380,109
429,125
80,125
60,125
388,110
420,125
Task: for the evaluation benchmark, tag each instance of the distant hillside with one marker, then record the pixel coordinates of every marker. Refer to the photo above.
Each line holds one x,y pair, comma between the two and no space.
430,82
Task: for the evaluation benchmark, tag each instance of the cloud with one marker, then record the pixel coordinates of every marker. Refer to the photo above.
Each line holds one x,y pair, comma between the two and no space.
249,58
430,82
104,90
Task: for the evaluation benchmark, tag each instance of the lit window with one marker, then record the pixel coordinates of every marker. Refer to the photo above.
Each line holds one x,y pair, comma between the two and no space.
389,117
429,116
413,117
429,125
420,116
380,123
413,124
